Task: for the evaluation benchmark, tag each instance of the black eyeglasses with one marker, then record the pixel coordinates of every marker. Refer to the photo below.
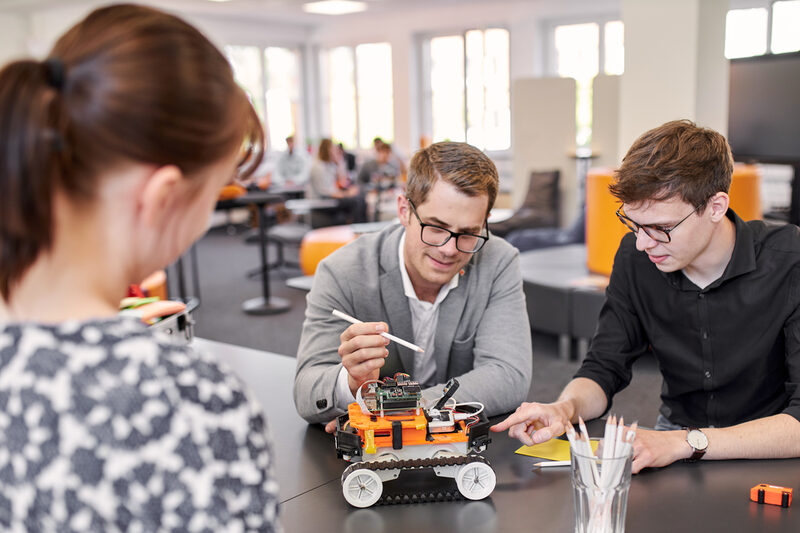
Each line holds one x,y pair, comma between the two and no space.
655,232
469,243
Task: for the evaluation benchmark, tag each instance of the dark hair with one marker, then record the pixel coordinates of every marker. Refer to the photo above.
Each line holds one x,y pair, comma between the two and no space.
679,159
467,168
126,84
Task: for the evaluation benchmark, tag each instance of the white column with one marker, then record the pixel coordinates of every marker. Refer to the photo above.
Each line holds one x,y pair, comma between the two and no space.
675,66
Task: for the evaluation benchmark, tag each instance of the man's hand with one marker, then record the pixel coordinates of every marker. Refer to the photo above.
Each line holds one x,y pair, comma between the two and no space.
330,427
658,448
363,352
535,423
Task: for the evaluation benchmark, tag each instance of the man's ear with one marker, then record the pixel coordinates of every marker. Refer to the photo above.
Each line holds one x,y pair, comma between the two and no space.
718,204
403,210
158,195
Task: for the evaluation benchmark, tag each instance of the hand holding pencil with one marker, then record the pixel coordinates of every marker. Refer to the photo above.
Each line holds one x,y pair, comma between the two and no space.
363,349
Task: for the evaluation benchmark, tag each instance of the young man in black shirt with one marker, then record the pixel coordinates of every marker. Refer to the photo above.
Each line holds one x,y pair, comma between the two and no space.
716,299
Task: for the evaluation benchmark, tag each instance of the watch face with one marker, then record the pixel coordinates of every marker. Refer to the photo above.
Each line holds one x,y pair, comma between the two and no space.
697,439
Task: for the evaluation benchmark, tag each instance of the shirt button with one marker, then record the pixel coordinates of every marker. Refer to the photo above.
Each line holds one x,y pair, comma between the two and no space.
705,334
707,374
701,295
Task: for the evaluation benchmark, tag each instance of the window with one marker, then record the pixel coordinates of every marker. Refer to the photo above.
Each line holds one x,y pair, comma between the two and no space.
360,102
271,77
466,88
748,31
785,27
581,51
745,32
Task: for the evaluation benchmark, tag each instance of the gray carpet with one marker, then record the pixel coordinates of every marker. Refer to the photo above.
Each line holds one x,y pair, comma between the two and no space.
224,260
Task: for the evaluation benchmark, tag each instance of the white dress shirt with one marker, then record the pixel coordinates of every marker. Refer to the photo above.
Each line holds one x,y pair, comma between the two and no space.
424,319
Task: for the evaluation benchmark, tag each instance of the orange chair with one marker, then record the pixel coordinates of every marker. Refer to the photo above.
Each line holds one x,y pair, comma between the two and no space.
604,231
229,192
320,243
745,192
603,228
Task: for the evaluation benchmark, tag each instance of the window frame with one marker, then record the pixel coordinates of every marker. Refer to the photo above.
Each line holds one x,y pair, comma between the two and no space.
549,39
425,90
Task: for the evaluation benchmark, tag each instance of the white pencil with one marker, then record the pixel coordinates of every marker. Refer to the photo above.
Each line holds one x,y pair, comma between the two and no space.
547,464
398,340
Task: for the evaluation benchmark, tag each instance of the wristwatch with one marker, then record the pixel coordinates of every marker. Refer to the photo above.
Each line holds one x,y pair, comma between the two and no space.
699,443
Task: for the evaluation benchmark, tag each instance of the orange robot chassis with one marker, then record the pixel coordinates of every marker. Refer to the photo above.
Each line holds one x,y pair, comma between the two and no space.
388,431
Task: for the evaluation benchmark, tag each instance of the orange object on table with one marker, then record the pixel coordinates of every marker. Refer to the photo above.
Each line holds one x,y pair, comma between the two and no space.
771,494
320,243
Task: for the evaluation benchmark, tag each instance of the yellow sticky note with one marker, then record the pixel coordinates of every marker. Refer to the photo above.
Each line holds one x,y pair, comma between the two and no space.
554,450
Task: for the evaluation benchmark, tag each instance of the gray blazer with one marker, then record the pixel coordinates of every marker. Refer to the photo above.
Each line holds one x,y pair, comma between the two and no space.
483,336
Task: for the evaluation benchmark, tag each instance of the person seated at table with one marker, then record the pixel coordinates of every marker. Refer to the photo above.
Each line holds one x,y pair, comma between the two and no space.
715,299
437,279
395,159
292,167
330,179
379,170
113,151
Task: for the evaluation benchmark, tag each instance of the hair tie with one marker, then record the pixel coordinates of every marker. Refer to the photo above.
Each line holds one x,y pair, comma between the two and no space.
54,72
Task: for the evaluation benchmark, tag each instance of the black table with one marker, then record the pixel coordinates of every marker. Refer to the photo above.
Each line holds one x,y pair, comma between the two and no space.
707,496
264,304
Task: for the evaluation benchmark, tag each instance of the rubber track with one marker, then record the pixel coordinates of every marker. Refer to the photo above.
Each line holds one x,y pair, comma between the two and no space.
417,464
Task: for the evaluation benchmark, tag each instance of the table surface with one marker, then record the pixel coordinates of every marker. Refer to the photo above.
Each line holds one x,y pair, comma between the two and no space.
708,495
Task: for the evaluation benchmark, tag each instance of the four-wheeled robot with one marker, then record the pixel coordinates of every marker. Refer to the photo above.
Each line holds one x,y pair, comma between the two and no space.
388,431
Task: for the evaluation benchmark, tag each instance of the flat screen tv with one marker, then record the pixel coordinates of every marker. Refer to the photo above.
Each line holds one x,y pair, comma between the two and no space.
764,108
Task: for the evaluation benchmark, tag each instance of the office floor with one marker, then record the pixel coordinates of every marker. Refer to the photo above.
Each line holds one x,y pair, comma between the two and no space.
223,263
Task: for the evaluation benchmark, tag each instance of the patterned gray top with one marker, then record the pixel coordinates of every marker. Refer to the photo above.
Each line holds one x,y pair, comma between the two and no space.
106,427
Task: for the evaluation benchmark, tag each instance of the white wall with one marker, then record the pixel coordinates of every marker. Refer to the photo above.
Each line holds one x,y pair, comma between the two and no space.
13,32
544,135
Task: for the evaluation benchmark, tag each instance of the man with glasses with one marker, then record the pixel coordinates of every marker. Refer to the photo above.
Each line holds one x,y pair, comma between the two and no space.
714,298
437,279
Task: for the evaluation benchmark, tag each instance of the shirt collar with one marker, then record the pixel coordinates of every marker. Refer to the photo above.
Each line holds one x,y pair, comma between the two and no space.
742,261
408,288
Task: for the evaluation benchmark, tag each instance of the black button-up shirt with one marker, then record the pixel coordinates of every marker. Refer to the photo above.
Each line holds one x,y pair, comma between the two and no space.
728,353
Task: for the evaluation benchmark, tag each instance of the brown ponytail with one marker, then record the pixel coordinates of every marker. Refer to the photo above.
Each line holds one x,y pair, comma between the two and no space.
29,166
128,83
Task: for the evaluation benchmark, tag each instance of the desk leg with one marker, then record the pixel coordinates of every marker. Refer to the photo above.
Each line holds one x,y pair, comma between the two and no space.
265,304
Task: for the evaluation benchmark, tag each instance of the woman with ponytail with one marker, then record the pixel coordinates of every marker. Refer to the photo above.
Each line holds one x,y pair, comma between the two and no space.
112,152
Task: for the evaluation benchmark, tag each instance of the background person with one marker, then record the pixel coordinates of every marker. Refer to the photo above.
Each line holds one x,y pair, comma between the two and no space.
716,299
330,179
112,154
436,279
293,165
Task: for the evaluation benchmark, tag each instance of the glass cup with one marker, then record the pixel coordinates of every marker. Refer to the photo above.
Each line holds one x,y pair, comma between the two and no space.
601,489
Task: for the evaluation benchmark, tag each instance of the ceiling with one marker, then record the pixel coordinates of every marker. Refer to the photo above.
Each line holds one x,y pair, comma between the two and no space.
272,10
